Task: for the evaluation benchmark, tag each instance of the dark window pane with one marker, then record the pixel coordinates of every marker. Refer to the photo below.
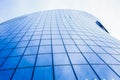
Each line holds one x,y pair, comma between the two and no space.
23,74
10,63
6,74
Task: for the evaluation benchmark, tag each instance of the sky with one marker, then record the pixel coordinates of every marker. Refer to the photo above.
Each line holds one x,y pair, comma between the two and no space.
107,11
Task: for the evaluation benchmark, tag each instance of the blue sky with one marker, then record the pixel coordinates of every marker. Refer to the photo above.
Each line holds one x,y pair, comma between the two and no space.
107,11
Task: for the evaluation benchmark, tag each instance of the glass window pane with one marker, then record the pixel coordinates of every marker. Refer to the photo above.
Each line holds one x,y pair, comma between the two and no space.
34,43
77,59
84,72
105,72
23,74
27,61
97,49
108,59
64,73
45,49
58,49
60,59
116,68
5,53
43,60
10,63
17,51
45,42
6,74
22,44
93,59
72,48
43,73
85,49
31,50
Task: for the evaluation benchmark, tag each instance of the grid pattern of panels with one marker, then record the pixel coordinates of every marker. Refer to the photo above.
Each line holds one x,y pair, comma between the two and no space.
57,45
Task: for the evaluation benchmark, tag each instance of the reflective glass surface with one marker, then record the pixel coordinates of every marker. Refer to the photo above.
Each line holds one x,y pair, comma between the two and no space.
58,45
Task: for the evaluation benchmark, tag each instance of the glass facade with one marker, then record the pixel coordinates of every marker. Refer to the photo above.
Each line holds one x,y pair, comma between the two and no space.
58,45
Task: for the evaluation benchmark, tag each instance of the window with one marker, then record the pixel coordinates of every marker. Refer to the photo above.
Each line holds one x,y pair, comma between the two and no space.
31,50
43,60
64,73
105,72
60,59
10,63
84,72
43,73
6,74
27,61
23,74
77,59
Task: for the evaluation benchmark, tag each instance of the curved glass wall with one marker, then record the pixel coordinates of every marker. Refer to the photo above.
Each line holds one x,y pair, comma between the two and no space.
58,45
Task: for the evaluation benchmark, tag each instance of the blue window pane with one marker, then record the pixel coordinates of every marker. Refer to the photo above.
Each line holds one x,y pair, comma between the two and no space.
1,61
64,73
108,59
6,74
45,42
16,39
117,57
31,50
80,42
105,72
5,53
90,42
35,37
85,49
97,49
26,38
44,60
34,43
46,37
60,59
23,74
27,61
67,41
22,44
11,45
10,63
57,42
110,50
84,72
77,59
58,49
45,49
72,48
17,52
116,68
93,59
2,46
43,73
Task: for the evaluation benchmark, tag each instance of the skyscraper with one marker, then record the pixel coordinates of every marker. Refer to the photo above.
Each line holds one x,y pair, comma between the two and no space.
58,45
